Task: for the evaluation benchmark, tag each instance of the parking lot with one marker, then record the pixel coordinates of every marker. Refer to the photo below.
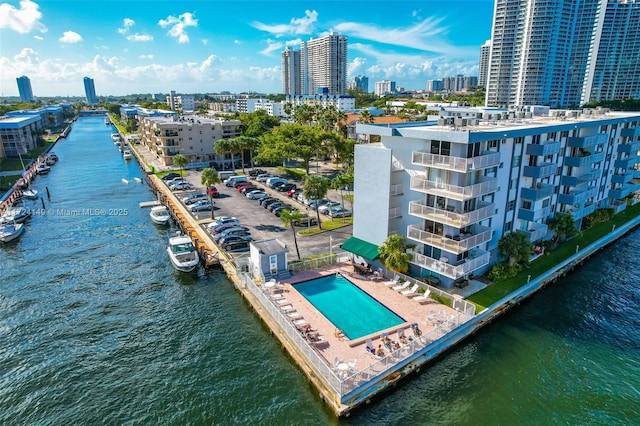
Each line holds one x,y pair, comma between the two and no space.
263,224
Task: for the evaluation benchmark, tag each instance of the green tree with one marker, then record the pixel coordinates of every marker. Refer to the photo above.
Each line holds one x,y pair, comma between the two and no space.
231,146
304,114
563,226
292,140
289,218
393,253
338,183
366,117
180,161
210,177
516,247
316,187
247,143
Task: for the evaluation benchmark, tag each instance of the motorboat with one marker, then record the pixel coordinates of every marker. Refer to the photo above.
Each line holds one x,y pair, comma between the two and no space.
42,169
30,194
11,231
126,154
182,253
160,215
16,214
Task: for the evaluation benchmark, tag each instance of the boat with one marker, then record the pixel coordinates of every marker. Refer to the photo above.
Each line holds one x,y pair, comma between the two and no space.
10,231
107,121
126,154
160,215
42,169
182,253
30,194
15,214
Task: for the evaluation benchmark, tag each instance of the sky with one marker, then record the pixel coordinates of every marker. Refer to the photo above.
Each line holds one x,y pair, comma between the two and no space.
209,46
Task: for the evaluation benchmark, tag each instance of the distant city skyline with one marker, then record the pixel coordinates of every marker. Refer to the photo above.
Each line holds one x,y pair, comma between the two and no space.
208,47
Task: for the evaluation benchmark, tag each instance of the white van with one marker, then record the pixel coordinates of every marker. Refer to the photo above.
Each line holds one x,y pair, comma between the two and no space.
225,174
234,180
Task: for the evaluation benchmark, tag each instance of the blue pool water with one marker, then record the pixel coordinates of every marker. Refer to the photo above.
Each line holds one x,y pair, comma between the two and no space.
348,307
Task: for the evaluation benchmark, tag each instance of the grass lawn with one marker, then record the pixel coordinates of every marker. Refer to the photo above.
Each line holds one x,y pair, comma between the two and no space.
500,289
328,226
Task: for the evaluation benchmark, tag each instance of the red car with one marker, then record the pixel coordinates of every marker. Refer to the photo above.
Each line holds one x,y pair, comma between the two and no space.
242,185
212,191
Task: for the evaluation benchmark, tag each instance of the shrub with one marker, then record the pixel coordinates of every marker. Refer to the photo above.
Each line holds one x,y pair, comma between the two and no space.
503,271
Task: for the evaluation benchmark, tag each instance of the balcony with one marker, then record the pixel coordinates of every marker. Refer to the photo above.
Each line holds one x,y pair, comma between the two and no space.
534,215
395,190
622,178
631,132
168,153
456,164
628,162
170,133
536,231
453,244
587,141
580,179
631,148
577,196
619,206
477,259
460,193
621,192
542,190
580,212
547,148
542,171
583,160
452,218
395,213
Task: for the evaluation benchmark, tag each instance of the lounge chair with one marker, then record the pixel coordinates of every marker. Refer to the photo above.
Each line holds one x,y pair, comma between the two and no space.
423,297
287,308
402,286
411,291
352,366
393,282
294,315
300,323
282,302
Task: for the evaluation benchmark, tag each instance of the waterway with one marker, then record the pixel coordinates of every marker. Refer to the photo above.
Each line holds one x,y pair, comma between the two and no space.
97,328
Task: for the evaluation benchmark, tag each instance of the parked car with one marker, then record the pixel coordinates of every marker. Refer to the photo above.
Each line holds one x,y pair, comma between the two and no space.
293,193
263,177
170,176
306,221
234,238
234,180
324,209
256,172
274,180
286,187
262,197
180,186
223,221
213,191
241,185
222,228
339,212
245,190
268,202
202,205
276,210
312,204
272,205
194,197
254,195
236,246
229,232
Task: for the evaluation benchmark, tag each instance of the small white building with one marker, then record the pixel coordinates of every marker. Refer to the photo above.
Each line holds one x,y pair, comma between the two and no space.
269,259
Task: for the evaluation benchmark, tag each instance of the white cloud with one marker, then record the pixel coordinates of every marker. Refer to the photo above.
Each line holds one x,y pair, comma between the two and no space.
145,56
70,37
295,26
356,65
272,46
178,26
140,37
23,20
39,38
126,24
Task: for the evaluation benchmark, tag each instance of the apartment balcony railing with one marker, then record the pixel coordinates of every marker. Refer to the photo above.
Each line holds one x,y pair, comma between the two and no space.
167,153
621,192
587,141
588,176
628,162
580,212
622,178
631,148
583,161
395,190
457,164
452,218
166,144
542,190
461,193
477,259
534,215
536,231
541,171
547,148
170,134
395,212
577,196
619,205
451,243
632,132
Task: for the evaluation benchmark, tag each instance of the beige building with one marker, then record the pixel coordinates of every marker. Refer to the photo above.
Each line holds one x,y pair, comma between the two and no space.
190,135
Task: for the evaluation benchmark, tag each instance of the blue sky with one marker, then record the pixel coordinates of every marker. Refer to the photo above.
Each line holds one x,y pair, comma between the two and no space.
144,46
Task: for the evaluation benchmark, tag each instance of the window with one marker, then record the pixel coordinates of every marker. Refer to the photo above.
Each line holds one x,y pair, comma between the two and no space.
526,205
493,144
513,183
507,226
535,139
511,205
517,160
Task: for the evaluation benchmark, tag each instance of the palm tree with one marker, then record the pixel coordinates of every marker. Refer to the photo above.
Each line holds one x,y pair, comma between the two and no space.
316,187
338,183
223,146
366,117
393,253
516,247
247,143
290,218
210,177
180,161
563,226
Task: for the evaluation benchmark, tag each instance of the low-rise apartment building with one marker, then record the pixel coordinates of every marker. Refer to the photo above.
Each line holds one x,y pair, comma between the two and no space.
455,186
190,135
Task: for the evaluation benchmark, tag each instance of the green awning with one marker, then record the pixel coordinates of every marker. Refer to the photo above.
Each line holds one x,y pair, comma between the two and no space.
361,248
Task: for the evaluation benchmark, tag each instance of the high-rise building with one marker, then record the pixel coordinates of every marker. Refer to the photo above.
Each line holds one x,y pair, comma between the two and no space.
563,52
24,88
385,87
434,85
291,72
483,68
90,91
359,82
324,65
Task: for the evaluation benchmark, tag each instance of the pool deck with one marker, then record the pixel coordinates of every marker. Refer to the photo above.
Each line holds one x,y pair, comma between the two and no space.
333,345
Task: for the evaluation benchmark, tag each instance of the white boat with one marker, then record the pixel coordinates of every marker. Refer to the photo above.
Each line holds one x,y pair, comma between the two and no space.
30,194
42,169
15,214
182,253
10,232
160,215
126,154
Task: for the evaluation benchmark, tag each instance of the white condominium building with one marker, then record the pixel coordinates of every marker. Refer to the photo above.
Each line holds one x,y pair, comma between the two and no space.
189,135
454,187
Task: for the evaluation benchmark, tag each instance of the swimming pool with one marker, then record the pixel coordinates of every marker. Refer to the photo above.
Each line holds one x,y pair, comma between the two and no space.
348,307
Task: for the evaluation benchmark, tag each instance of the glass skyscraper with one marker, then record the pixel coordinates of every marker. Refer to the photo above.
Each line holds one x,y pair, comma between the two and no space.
24,88
90,91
